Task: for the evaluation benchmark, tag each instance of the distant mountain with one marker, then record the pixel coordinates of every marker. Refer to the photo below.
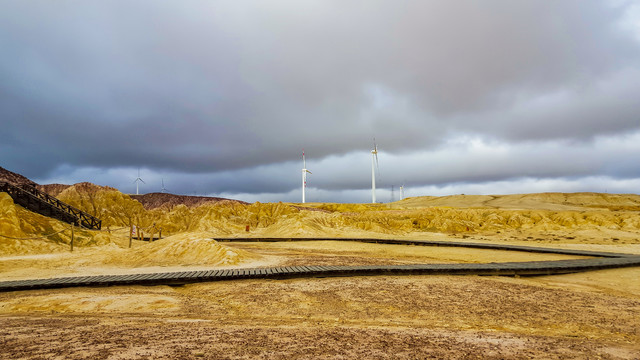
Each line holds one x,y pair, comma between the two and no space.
13,178
149,201
157,200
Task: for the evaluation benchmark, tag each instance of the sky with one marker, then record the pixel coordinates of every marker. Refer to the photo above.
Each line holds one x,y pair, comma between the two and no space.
220,98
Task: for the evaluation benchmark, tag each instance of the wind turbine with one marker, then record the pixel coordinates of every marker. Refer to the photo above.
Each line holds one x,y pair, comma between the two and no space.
137,181
374,167
163,188
402,191
304,176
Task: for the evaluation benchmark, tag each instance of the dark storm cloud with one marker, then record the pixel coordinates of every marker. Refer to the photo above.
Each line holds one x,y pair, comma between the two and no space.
216,88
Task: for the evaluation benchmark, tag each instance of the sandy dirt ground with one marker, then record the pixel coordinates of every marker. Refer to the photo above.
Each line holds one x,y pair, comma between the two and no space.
371,317
594,315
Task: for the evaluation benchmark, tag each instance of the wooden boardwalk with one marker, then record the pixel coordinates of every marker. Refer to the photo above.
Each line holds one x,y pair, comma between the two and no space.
596,261
42,203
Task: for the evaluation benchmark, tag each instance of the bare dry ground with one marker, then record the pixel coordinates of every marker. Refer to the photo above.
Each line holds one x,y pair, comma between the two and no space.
372,317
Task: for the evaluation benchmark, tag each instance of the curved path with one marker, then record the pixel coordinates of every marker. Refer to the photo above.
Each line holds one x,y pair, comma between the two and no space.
596,261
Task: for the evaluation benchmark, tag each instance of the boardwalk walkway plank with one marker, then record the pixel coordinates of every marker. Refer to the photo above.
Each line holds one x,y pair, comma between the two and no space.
595,261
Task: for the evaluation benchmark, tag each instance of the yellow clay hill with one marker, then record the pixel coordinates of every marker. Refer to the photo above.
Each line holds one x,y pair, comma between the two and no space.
529,217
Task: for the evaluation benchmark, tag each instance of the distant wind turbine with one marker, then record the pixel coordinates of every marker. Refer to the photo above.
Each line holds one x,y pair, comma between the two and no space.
163,188
137,181
374,167
304,176
402,192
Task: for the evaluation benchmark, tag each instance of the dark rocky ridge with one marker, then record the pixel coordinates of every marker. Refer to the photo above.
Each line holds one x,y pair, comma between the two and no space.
157,200
13,178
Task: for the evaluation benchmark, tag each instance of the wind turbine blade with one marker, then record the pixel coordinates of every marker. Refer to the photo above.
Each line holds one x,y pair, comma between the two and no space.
143,181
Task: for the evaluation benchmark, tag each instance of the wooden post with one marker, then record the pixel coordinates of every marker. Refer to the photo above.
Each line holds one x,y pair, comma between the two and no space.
138,232
130,233
153,230
72,236
141,237
160,234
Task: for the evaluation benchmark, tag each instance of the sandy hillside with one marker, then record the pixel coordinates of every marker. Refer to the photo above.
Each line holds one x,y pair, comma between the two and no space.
580,218
173,253
541,201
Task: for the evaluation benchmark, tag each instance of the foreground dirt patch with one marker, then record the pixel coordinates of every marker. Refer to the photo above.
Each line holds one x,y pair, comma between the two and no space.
164,340
363,317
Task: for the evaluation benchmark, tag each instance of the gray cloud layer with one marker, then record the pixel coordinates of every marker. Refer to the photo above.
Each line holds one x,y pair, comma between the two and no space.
212,89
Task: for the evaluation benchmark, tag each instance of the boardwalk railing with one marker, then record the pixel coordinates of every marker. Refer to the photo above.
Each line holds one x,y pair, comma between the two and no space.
38,201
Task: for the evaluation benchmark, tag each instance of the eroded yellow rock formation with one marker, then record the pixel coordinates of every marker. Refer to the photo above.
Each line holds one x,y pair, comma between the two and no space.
529,216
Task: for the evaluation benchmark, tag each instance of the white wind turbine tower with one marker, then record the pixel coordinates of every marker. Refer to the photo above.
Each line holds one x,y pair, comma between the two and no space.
374,167
304,176
137,181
